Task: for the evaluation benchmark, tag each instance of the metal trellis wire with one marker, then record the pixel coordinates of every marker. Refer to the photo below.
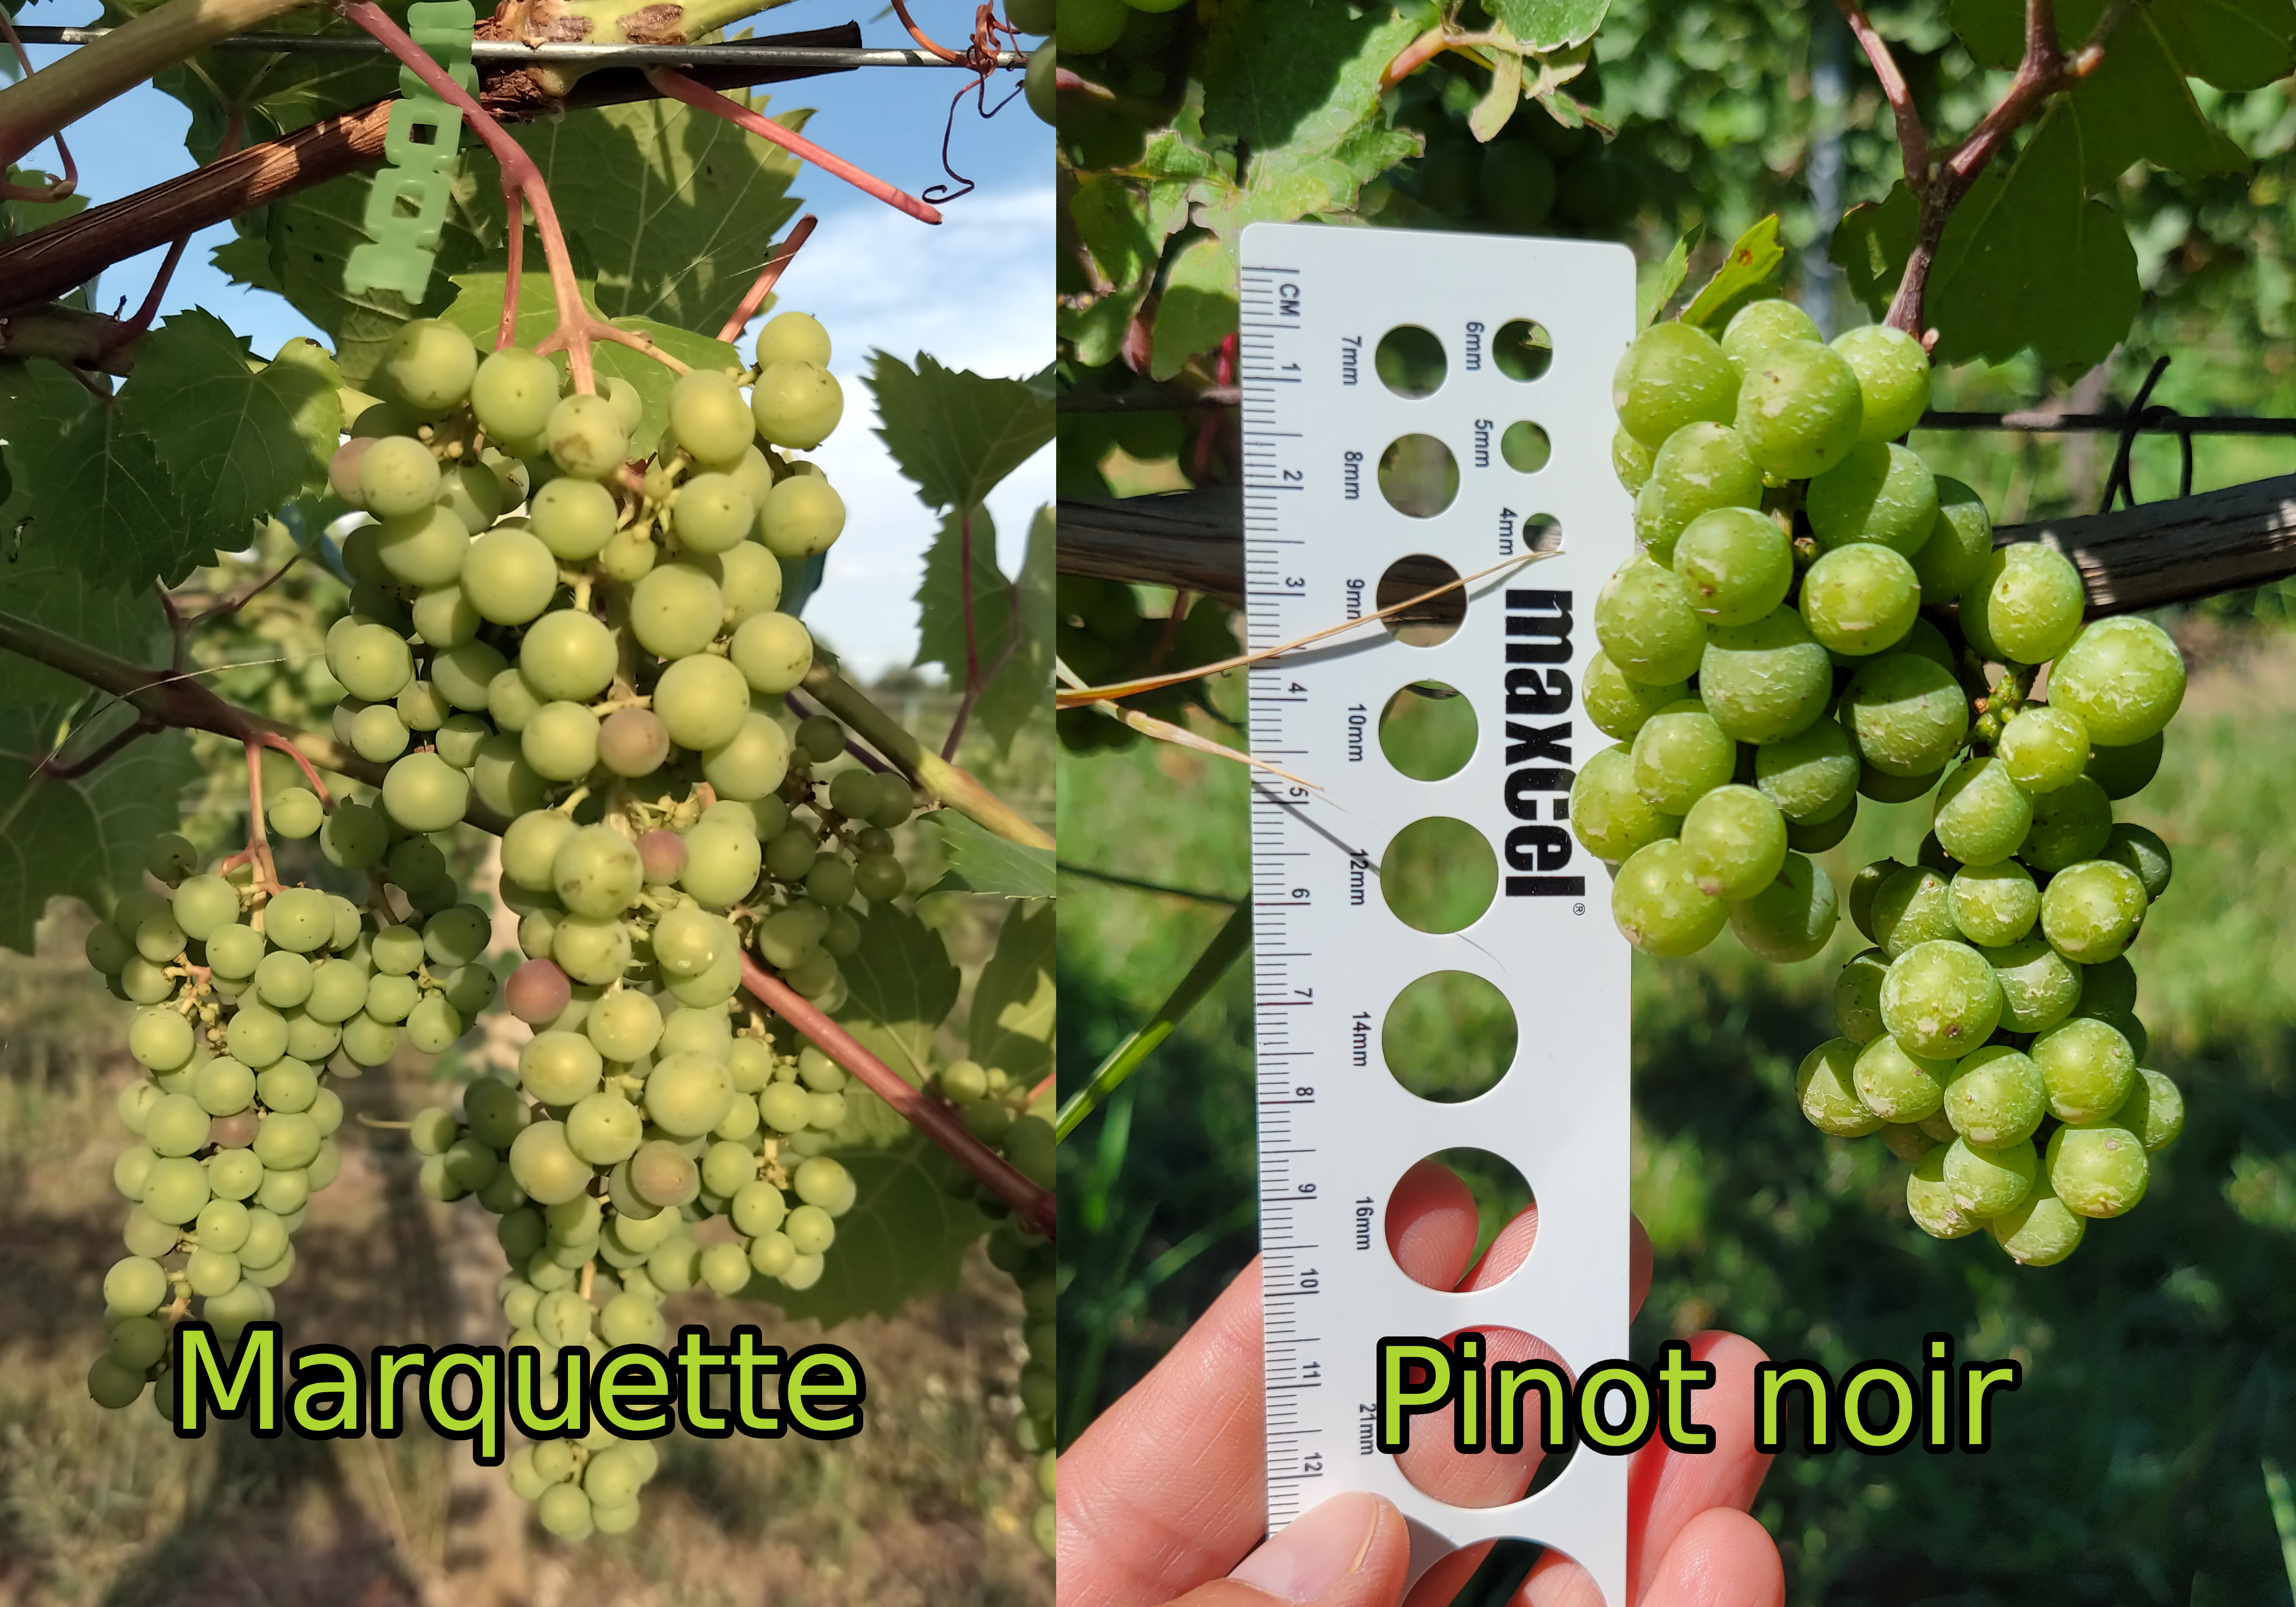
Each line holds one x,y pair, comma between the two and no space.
510,52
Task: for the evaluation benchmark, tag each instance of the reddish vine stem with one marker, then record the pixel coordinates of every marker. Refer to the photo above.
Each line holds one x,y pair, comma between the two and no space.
1913,138
2042,71
928,1116
229,606
258,840
767,277
232,131
901,9
311,773
69,182
678,87
54,769
578,326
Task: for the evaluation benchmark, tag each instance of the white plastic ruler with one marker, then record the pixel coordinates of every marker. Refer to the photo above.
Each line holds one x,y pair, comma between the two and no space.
1336,1129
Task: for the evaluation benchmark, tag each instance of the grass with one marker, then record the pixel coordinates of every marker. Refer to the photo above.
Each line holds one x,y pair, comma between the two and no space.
2159,1366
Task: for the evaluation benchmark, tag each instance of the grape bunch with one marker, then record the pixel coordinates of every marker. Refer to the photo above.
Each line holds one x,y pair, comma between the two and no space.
994,1109
1816,618
626,1125
249,995
1536,177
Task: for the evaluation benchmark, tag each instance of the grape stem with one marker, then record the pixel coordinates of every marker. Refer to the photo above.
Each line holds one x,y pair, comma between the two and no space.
951,783
523,184
678,87
55,189
1938,186
767,277
936,1120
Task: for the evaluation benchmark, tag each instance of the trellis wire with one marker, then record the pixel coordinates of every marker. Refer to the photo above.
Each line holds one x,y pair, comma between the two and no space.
501,53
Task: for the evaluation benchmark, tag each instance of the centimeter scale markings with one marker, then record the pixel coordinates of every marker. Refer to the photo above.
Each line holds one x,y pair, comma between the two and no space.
1330,957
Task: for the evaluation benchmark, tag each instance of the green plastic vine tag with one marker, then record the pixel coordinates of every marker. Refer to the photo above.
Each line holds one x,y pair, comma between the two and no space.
406,209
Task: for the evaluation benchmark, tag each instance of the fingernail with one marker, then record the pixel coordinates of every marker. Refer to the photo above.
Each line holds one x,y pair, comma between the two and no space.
1315,1551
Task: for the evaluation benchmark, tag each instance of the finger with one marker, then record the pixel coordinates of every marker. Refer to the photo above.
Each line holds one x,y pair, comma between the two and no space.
1432,1225
1433,1464
1721,1558
1512,1248
1667,1490
1350,1551
1167,1489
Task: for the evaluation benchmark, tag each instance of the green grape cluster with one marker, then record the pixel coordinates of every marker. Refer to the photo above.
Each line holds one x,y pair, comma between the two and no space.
1814,617
248,999
633,1118
994,1109
536,615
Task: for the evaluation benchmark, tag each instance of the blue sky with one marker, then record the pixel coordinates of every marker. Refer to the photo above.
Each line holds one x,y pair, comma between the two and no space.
977,293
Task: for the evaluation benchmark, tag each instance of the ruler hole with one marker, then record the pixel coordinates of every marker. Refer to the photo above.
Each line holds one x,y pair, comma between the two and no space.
1449,1036
1427,731
1436,620
1523,349
1462,1218
1438,874
1509,1571
1525,446
1418,476
1409,361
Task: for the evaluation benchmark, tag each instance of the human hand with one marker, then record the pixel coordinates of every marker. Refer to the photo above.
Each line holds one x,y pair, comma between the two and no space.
1164,1498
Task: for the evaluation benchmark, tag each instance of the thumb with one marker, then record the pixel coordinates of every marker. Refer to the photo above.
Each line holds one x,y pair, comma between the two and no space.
1351,1551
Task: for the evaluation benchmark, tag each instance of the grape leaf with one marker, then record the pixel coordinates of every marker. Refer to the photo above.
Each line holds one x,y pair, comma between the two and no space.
956,433
1748,274
83,838
2231,43
1110,217
902,978
981,861
1654,285
44,586
1548,25
2028,259
1500,101
1015,1002
273,93
238,446
678,209
89,493
1020,692
1870,244
1198,310
905,1238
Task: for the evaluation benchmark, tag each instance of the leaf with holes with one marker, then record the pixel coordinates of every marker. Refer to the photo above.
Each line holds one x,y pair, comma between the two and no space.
85,838
238,446
956,433
905,1238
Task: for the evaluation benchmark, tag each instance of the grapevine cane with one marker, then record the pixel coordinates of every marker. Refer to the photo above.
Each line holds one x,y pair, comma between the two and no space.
678,87
928,1116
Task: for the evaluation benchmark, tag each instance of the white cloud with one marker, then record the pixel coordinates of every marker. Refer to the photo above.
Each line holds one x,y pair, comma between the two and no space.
976,292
